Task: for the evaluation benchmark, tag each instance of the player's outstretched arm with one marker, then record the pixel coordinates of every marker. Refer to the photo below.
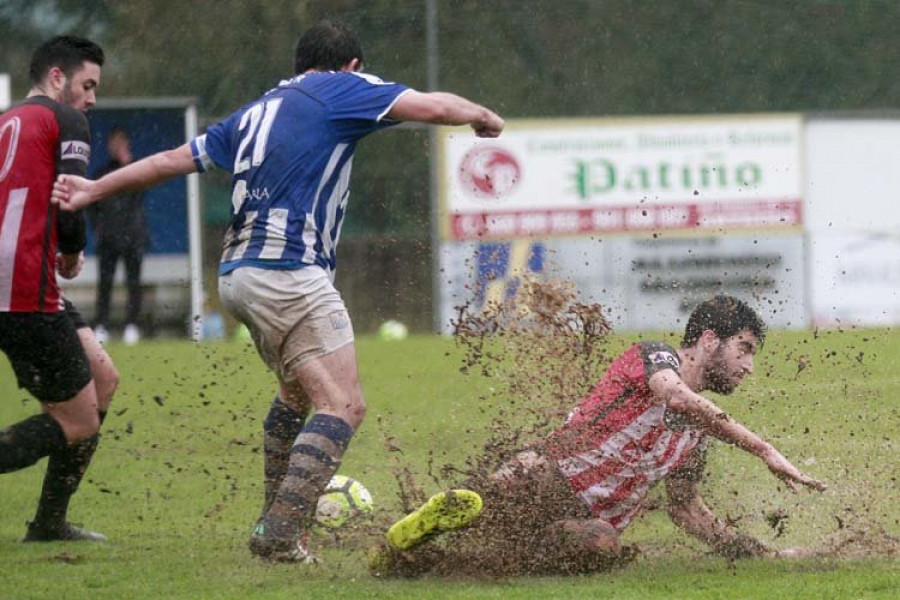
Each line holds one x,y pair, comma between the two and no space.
443,108
74,193
669,387
689,512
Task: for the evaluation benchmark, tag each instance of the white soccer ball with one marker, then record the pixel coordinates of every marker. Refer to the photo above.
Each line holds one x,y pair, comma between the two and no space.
344,499
392,330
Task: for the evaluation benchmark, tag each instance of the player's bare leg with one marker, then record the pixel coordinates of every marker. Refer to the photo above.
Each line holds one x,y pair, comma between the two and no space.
77,417
331,383
66,468
106,376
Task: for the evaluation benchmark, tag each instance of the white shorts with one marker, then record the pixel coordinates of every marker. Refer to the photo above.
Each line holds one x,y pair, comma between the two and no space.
293,316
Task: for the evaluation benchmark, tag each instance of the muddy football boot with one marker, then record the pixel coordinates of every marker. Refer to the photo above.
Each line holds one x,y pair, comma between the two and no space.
291,550
62,533
446,511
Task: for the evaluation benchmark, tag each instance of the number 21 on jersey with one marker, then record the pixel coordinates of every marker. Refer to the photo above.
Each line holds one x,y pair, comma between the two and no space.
256,124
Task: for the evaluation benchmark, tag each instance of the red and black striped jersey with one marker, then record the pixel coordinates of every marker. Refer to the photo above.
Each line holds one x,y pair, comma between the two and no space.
39,139
620,439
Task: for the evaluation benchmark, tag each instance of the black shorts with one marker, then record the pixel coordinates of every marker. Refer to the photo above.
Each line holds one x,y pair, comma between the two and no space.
75,316
46,352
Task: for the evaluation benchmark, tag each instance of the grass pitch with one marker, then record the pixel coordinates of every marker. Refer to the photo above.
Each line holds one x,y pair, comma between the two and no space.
176,483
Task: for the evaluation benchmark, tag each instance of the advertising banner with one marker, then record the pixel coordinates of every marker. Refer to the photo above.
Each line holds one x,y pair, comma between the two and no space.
646,216
582,177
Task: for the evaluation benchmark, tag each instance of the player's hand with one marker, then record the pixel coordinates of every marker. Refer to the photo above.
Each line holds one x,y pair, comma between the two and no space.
490,127
71,192
789,474
69,265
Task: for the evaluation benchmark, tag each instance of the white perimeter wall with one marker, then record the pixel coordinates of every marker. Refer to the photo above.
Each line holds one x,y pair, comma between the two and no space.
852,218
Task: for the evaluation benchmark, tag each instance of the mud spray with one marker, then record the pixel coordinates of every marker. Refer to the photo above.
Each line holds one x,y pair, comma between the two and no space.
543,350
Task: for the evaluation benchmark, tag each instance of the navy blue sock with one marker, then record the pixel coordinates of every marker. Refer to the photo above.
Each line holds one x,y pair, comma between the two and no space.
315,457
281,427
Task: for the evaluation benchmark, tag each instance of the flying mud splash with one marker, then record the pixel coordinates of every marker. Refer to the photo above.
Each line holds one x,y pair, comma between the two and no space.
542,350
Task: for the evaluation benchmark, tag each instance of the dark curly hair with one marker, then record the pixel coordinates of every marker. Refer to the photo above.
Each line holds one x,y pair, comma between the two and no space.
725,316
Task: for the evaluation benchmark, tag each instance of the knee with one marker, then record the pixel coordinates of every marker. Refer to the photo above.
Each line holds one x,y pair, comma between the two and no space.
81,427
591,534
350,408
361,412
356,411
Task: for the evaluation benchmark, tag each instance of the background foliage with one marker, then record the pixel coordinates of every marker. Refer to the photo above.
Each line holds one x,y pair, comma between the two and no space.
525,58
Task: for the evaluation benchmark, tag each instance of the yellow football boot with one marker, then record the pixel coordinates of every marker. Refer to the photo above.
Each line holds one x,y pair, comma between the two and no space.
445,511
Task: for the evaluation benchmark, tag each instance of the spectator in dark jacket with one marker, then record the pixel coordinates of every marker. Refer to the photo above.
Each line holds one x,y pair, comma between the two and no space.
121,232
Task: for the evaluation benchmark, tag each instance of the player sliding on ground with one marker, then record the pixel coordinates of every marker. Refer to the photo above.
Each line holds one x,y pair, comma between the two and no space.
561,504
290,154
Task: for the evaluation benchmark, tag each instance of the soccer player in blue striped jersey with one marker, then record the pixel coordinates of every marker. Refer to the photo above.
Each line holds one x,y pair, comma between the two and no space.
290,153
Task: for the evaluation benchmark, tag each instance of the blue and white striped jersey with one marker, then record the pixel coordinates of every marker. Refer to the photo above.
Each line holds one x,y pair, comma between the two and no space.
290,153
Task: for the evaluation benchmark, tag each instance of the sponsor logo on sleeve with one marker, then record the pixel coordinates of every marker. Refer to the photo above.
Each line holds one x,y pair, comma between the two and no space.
76,150
664,357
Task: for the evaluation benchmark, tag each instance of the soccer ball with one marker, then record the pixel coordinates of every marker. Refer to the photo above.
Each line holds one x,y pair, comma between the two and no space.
392,330
343,499
242,334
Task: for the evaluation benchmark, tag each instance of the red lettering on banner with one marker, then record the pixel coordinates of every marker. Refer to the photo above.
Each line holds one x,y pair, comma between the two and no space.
503,225
618,219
